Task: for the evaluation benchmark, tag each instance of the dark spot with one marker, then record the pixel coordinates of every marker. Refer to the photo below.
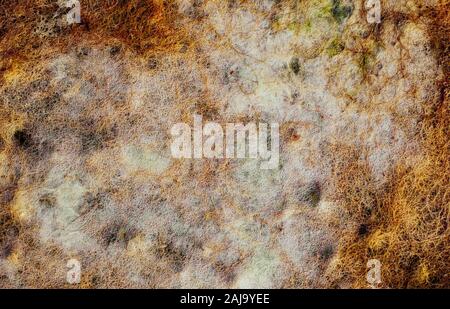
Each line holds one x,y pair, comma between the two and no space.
118,233
2,143
365,34
310,194
7,194
93,201
195,11
362,230
314,193
326,252
399,19
84,51
92,139
335,47
114,50
294,65
50,101
22,138
96,201
95,280
3,31
9,231
411,263
156,198
166,249
39,85
152,63
377,70
341,12
232,4
6,249
228,273
230,75
47,200
437,278
207,110
86,25
184,48
292,134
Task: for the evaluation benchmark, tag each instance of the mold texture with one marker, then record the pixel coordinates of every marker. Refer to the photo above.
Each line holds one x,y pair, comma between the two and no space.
86,170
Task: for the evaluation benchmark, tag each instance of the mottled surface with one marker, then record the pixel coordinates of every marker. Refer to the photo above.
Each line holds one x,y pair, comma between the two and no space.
86,170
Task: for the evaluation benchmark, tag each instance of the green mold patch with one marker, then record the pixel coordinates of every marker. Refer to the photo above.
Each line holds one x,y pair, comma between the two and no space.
366,60
336,47
294,65
340,12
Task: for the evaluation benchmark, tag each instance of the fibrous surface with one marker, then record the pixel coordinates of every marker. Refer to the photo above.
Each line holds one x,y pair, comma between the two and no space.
86,170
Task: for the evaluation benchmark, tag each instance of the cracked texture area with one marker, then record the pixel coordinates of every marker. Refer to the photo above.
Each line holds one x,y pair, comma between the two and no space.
86,170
